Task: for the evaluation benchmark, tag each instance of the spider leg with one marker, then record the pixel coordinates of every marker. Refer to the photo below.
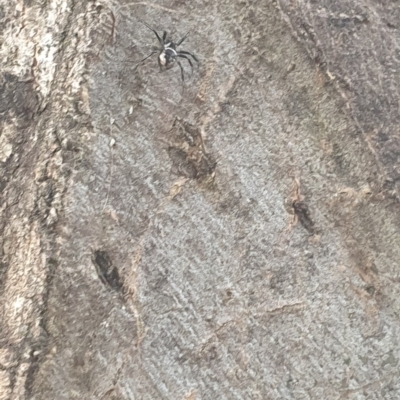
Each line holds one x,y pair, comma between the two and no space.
164,38
159,63
187,58
189,54
180,66
155,32
144,59
182,40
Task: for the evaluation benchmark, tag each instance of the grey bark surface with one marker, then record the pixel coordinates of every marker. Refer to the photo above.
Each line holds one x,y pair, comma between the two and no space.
233,238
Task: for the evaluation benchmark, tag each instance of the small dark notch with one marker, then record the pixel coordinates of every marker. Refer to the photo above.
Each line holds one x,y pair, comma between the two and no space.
303,214
107,273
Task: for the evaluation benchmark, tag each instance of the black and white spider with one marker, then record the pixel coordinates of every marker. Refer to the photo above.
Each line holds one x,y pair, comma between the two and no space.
168,52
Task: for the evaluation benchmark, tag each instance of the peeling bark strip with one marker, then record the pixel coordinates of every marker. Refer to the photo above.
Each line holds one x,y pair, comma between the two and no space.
43,123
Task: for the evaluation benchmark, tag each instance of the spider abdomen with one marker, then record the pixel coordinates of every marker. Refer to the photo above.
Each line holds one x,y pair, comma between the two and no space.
167,57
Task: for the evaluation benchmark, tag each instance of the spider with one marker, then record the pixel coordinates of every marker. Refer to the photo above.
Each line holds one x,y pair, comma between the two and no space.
169,53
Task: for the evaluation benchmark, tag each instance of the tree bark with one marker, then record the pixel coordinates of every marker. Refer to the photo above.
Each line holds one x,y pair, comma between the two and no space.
232,237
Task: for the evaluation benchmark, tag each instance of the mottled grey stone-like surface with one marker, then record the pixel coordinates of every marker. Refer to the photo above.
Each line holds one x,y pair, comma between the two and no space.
235,238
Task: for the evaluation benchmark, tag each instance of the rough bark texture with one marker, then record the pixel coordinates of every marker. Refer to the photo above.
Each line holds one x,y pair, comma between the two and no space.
237,238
